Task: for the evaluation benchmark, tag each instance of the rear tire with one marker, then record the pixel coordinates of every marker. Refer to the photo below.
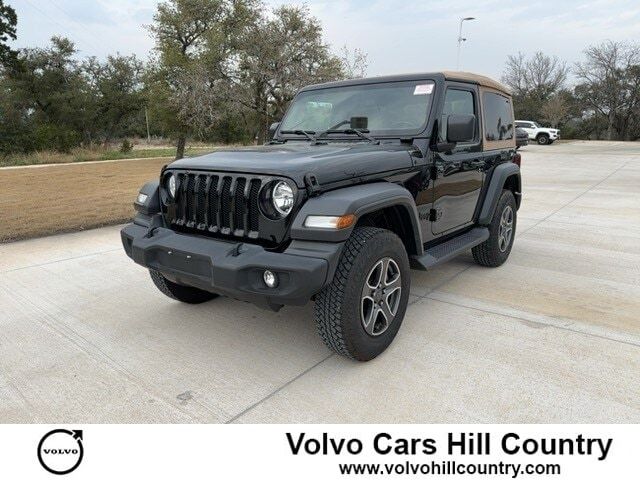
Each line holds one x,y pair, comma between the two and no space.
502,231
180,292
359,313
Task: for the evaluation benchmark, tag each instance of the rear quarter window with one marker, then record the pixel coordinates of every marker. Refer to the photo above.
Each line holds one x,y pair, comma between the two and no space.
498,117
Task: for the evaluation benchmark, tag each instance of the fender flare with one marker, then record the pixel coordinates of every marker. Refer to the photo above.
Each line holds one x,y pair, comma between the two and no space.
358,200
500,175
152,203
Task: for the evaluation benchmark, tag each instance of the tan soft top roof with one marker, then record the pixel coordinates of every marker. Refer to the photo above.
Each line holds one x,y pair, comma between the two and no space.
450,75
475,78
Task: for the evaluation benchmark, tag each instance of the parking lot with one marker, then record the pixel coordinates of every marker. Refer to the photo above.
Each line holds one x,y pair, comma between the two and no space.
551,336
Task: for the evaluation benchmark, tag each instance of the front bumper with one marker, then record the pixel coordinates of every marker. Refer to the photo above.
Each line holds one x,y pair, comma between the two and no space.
234,269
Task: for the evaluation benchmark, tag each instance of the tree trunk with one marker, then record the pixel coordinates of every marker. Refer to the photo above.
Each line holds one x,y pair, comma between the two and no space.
610,127
182,141
262,137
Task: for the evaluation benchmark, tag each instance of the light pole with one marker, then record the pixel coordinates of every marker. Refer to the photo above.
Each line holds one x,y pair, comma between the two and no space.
461,39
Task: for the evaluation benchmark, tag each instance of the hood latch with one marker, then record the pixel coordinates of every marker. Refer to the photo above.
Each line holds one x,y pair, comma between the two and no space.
313,187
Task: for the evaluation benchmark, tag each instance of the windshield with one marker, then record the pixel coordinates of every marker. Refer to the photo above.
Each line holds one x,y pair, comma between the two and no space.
398,108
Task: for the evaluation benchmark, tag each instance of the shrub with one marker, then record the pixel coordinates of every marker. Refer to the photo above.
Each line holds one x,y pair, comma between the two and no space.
126,146
55,137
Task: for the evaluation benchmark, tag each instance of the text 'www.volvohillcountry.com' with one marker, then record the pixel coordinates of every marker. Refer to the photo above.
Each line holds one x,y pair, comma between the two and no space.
449,467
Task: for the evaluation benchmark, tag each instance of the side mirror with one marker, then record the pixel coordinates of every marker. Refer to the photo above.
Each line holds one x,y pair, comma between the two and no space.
461,128
272,129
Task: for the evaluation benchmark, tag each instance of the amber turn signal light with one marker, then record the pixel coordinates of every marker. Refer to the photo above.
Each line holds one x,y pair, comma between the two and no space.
330,222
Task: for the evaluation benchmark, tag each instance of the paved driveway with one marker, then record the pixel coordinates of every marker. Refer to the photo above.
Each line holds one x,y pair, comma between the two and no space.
552,336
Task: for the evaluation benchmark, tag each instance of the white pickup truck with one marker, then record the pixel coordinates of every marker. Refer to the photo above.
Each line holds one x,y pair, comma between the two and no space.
542,135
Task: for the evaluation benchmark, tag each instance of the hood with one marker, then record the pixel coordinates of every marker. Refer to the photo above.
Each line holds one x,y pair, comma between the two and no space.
329,163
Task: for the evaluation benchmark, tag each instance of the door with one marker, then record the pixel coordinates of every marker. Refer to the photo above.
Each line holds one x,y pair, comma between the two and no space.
460,173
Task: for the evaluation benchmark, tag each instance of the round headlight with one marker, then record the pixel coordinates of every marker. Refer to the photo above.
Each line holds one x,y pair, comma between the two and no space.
172,186
282,198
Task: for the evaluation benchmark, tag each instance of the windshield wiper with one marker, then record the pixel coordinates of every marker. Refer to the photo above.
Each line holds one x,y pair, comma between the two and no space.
308,134
362,134
350,131
311,135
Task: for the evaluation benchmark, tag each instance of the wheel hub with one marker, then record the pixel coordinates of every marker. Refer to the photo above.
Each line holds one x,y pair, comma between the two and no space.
377,295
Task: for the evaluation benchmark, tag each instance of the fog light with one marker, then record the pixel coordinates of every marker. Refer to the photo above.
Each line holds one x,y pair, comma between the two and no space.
270,279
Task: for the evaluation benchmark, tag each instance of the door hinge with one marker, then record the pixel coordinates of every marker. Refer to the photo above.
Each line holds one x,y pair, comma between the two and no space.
434,215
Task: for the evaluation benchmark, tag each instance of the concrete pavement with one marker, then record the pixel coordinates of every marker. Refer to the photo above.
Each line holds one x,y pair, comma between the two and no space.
551,336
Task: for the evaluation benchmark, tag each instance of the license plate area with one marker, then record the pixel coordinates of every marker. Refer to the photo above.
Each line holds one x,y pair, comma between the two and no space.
181,262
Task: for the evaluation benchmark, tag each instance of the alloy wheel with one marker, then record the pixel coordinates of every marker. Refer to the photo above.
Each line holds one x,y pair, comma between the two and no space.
380,296
505,231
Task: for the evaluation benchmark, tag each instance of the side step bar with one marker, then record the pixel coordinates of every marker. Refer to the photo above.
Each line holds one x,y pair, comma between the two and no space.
449,249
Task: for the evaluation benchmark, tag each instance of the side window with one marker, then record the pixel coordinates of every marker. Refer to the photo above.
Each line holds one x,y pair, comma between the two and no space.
456,102
498,119
522,125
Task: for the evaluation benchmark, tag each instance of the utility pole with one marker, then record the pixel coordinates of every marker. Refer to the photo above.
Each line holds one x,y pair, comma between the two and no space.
461,39
146,117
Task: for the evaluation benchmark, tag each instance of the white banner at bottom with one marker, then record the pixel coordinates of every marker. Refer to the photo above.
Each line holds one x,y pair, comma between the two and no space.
319,451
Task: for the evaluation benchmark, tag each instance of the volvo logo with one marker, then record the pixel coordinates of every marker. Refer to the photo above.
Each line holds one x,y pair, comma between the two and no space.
60,451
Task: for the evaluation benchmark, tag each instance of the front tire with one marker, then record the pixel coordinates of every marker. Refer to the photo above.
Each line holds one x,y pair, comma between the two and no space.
502,231
543,139
360,312
179,292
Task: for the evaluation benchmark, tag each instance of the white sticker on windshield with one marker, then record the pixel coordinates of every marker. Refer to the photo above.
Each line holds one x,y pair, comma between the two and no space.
425,89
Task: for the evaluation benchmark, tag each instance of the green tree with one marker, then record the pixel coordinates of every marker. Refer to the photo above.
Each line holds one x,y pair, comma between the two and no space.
48,87
116,94
8,23
282,53
192,37
15,128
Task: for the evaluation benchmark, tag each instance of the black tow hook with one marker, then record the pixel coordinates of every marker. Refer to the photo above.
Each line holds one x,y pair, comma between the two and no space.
151,232
237,250
154,225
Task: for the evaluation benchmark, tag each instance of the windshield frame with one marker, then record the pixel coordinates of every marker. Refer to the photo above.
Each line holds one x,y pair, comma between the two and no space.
420,132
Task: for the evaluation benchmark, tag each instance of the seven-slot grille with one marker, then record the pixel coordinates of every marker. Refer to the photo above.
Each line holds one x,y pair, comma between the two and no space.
218,203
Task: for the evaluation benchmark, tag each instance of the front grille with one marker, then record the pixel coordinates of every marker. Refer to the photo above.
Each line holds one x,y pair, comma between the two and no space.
217,203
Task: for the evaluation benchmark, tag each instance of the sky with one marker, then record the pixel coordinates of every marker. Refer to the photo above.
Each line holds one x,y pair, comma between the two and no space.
398,36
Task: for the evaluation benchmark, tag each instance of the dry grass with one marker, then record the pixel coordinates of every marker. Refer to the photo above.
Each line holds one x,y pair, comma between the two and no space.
38,201
95,154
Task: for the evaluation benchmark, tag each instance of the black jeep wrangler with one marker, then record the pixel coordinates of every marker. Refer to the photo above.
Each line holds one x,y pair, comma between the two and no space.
362,180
